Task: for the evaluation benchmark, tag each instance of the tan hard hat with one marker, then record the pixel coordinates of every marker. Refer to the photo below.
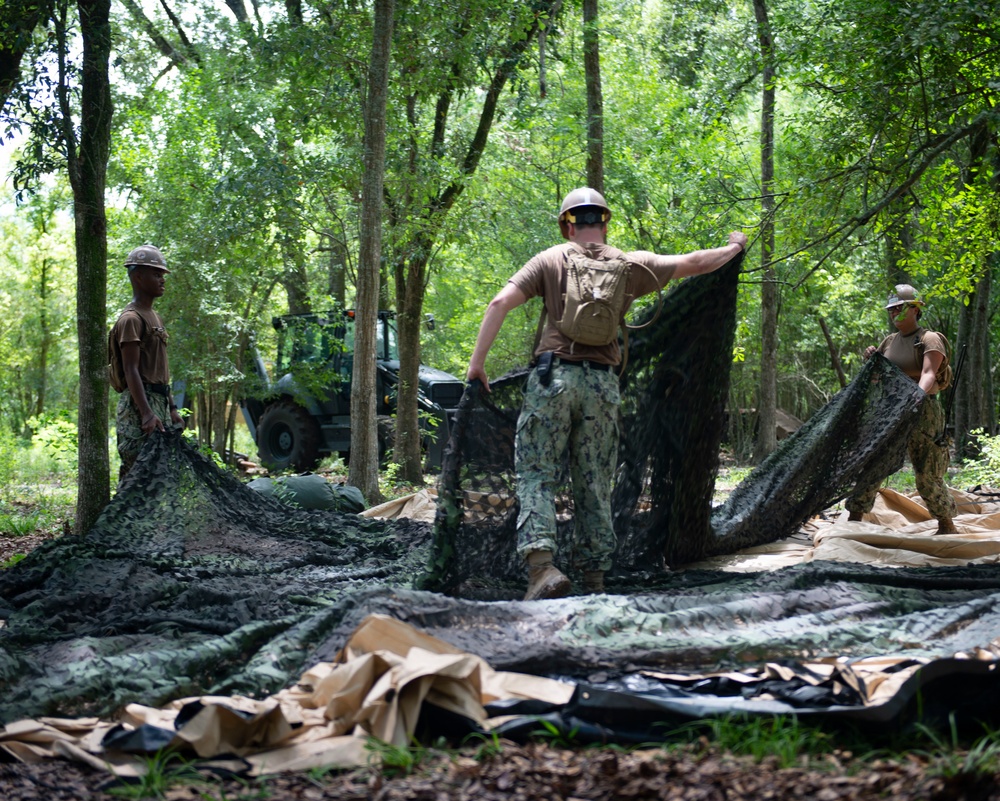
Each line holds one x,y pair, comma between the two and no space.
904,293
146,256
584,196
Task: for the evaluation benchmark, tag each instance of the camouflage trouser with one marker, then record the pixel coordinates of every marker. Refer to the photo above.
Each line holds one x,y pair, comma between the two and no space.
930,463
128,425
578,413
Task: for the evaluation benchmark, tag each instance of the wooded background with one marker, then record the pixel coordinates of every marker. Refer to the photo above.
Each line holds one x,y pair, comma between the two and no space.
855,142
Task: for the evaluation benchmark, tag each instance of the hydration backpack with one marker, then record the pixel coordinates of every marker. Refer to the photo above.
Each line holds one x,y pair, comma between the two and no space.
594,299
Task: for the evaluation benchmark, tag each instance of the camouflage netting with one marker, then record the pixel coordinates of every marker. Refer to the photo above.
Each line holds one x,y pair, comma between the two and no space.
673,397
191,583
188,581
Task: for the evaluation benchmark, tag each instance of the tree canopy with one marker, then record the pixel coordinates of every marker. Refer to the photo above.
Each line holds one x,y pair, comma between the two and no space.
238,147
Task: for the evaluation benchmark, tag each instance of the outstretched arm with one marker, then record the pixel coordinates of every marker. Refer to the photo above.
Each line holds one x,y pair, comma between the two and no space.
510,297
699,262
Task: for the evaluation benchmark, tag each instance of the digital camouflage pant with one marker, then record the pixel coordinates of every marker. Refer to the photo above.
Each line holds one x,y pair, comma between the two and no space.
574,417
128,425
930,463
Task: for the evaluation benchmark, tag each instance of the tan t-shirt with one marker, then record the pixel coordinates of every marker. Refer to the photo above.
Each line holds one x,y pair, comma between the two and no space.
152,339
545,276
902,352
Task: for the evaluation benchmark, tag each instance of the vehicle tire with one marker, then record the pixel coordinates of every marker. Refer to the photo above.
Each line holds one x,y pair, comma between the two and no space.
288,438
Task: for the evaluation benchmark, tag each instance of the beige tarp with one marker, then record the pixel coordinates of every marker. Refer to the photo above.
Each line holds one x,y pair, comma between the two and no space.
898,532
375,688
418,506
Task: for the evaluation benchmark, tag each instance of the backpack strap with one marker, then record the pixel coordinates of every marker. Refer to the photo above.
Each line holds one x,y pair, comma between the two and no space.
538,333
142,320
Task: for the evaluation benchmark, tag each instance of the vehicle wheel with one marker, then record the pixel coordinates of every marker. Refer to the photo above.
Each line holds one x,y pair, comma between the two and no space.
288,438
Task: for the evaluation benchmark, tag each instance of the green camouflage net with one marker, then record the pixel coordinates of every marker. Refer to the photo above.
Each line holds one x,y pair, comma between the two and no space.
189,581
673,397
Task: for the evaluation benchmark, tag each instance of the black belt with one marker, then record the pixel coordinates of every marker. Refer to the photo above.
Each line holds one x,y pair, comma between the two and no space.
590,364
159,389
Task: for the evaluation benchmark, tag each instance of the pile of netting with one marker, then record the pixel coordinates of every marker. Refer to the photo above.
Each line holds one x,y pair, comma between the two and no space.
188,581
672,424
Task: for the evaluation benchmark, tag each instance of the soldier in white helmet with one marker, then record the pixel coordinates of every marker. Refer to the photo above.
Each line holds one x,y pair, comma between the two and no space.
923,356
137,355
571,398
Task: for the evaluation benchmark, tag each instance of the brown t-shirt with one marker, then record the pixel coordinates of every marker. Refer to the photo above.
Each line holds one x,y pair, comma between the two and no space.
901,351
545,276
152,339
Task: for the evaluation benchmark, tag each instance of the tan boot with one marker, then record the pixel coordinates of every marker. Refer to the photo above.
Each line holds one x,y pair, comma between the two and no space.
544,578
593,581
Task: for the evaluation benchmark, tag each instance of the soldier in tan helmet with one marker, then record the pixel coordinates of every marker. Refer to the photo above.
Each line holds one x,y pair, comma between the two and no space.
137,359
571,398
923,356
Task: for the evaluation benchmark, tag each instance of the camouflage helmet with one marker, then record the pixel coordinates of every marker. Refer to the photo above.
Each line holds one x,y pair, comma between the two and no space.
146,256
584,196
904,293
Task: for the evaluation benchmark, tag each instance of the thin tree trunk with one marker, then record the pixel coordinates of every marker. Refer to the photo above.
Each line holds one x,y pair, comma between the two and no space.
595,96
364,434
337,268
768,397
87,172
408,436
973,405
411,267
43,351
838,368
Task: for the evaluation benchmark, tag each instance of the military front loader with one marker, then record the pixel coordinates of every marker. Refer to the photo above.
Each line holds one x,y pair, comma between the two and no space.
304,414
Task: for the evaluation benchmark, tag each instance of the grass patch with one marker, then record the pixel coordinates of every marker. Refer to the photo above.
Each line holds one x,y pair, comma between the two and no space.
163,770
392,761
21,524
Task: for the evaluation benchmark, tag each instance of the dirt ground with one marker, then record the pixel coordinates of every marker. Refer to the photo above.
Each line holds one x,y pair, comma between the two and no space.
539,772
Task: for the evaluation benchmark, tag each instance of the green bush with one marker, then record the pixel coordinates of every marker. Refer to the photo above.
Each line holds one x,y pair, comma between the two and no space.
56,435
986,469
8,457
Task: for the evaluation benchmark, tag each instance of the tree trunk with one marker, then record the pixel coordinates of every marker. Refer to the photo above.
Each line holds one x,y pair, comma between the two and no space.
410,304
899,244
972,398
595,97
974,402
364,434
294,278
337,268
46,343
768,397
88,172
835,362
